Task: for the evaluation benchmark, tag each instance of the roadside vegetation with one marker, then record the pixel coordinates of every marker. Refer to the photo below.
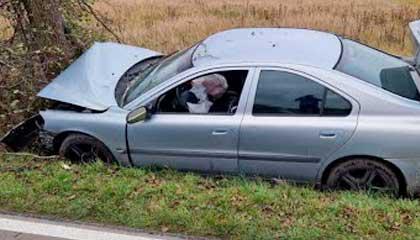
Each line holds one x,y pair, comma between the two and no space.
187,203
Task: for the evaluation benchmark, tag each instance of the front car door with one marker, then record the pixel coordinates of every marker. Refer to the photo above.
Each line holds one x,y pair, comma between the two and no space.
292,123
202,142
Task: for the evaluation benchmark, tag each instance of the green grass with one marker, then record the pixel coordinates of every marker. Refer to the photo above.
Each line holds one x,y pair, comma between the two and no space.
225,207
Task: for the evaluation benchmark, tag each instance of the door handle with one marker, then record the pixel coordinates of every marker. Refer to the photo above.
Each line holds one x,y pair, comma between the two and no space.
219,132
327,134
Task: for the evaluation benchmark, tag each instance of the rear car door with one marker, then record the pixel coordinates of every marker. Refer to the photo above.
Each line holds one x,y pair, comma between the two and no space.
292,123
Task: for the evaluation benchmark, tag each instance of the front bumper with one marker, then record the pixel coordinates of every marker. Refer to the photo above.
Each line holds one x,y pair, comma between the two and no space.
23,134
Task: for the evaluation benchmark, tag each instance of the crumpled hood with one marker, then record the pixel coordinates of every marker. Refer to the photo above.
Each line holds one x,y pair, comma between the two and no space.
90,81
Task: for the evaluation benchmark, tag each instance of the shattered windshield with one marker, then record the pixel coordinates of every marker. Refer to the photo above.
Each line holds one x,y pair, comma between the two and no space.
380,69
157,73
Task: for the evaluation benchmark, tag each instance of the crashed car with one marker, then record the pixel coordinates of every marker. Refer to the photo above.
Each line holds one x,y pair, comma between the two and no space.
301,105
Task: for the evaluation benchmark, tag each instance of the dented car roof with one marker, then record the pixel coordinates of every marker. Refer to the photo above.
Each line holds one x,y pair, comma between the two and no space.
279,45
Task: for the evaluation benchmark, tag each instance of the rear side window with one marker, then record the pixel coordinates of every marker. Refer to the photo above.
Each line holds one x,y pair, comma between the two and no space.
335,105
379,69
288,94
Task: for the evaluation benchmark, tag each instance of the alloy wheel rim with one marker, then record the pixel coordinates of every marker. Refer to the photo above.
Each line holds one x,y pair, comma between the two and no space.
83,153
370,179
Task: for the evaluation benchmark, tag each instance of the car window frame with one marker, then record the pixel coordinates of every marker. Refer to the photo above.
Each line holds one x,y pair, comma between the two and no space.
416,76
253,92
243,98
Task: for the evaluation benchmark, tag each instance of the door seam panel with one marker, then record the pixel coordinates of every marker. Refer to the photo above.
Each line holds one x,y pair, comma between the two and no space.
181,153
278,158
252,82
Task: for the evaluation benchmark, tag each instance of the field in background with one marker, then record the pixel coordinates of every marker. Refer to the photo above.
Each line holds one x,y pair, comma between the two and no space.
5,30
170,25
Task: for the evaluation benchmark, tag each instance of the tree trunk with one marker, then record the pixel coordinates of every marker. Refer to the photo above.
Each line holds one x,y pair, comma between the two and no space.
46,23
47,44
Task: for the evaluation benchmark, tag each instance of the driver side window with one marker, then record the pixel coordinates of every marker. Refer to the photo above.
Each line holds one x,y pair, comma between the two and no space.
214,93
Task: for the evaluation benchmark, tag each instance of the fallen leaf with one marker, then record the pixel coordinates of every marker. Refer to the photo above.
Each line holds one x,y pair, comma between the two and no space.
14,103
406,218
72,197
65,166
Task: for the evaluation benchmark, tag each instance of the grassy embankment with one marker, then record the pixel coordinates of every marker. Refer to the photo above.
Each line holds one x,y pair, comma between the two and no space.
228,207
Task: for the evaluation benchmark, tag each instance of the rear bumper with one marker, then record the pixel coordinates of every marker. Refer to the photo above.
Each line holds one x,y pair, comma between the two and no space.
410,169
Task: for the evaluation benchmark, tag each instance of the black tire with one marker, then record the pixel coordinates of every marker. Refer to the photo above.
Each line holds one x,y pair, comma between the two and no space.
80,148
364,175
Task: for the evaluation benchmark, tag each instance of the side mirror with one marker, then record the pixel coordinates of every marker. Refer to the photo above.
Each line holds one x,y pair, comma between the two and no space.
138,115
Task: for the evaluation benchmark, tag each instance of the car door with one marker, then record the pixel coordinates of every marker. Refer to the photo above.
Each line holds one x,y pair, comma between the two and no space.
203,142
293,122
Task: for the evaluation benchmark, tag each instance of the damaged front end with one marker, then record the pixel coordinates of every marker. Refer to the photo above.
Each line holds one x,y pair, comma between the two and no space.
86,86
31,132
23,134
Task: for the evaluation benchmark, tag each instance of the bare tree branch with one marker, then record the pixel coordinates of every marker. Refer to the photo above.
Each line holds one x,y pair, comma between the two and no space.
31,155
98,18
4,3
19,19
5,64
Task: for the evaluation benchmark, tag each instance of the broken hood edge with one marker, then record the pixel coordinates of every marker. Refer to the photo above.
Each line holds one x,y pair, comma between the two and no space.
91,79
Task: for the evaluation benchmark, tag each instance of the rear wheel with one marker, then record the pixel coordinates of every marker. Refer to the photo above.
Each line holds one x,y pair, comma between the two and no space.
364,175
80,148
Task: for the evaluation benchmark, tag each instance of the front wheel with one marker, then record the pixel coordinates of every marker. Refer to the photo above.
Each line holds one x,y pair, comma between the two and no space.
364,175
80,148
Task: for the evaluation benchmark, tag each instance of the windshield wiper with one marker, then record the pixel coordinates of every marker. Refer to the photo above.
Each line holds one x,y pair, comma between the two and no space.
131,84
148,70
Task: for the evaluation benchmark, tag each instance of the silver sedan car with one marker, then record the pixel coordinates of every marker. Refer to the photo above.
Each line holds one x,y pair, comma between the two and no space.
299,104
